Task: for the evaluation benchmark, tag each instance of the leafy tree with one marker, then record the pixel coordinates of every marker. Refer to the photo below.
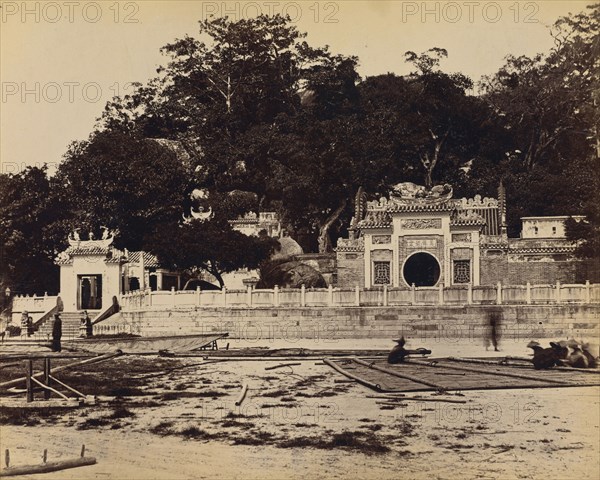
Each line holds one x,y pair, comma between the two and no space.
440,117
211,246
232,98
547,107
221,96
32,232
125,183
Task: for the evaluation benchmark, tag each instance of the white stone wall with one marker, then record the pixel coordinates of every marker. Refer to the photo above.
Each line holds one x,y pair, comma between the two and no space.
545,227
89,265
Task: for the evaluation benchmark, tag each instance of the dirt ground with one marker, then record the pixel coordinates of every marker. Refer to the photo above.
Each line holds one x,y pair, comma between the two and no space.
175,418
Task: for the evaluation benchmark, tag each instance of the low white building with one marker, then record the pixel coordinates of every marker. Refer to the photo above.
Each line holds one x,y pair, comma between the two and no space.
546,227
92,272
252,224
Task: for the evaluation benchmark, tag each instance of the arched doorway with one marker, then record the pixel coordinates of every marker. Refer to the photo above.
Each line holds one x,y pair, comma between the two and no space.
422,269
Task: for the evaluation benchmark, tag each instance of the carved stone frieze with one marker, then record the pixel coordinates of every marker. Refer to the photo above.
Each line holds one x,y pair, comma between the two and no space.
381,239
421,223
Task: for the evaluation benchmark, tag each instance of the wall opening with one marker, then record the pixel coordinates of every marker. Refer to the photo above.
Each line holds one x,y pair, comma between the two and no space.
89,292
422,269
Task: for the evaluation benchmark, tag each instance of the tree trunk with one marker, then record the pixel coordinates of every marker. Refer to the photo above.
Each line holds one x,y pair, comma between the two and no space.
215,273
430,164
428,180
324,240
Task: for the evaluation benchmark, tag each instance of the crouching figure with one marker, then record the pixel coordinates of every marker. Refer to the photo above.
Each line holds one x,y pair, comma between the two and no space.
399,353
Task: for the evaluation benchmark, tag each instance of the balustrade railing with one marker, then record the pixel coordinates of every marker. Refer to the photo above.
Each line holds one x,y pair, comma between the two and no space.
345,297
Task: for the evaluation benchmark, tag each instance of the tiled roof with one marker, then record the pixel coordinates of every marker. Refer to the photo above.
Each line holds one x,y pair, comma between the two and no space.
467,222
109,254
88,251
376,219
543,250
150,261
365,225
244,221
350,245
465,218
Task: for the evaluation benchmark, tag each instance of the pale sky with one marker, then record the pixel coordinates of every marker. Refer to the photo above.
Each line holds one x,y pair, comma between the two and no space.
61,61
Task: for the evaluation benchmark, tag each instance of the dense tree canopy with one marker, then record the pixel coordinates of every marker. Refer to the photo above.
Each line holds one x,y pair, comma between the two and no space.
124,183
254,118
548,109
32,231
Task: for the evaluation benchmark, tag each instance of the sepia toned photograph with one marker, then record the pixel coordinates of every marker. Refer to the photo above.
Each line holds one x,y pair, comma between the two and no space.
311,239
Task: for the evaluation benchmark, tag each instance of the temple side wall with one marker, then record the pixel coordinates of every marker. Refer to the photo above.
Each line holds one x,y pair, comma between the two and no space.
520,322
350,269
493,269
498,268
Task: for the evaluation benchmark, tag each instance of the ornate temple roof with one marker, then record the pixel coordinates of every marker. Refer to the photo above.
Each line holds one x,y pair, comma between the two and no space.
92,247
109,254
526,246
376,219
350,245
467,218
410,199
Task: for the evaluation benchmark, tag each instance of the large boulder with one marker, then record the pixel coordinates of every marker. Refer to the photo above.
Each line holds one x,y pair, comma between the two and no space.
290,274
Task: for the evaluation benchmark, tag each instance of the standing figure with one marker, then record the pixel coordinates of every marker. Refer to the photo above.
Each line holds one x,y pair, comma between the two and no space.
493,337
30,328
56,333
89,329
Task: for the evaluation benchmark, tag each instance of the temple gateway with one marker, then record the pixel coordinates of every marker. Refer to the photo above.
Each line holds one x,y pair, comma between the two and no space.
427,238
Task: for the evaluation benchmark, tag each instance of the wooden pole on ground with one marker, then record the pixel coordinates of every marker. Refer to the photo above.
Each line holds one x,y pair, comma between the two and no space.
362,381
34,356
47,467
489,372
283,365
47,377
239,401
405,376
419,399
522,359
101,358
28,382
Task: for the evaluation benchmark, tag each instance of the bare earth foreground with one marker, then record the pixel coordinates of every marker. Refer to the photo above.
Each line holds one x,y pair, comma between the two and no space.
175,418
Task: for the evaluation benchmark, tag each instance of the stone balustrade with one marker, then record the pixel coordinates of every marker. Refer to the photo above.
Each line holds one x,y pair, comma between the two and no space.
347,297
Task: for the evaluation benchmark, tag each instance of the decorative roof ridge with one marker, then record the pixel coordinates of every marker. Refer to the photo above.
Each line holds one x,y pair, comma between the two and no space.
110,254
421,207
476,202
350,245
467,217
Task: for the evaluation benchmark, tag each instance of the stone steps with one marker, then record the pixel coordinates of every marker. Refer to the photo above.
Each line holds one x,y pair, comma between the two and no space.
70,326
